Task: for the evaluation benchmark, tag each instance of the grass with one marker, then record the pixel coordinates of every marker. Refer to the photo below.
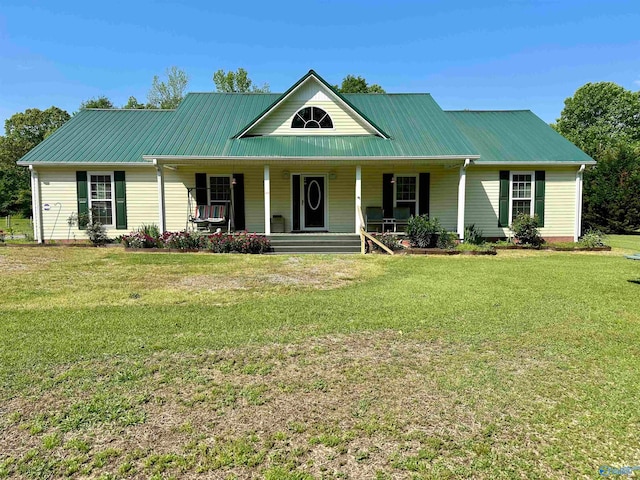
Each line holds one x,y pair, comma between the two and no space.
125,365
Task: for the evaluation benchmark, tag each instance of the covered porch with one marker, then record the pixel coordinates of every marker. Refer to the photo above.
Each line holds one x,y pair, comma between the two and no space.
311,196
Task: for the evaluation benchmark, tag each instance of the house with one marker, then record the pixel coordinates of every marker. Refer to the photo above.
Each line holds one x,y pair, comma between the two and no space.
307,160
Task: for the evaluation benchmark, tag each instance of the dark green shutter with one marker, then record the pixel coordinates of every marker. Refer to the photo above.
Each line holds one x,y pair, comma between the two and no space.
423,194
201,189
503,206
83,199
538,208
238,202
121,199
387,195
296,202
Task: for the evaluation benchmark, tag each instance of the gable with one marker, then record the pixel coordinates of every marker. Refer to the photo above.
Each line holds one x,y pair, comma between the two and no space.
311,93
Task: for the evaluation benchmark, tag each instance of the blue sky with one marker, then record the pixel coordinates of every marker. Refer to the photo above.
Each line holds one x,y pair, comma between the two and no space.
513,54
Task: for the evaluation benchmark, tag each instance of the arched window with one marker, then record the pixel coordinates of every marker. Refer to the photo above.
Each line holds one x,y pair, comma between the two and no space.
311,117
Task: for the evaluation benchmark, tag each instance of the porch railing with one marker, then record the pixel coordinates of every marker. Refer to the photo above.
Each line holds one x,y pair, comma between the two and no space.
364,235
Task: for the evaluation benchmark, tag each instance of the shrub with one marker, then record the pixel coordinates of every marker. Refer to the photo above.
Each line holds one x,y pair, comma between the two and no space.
388,240
592,238
150,230
237,243
446,240
423,232
97,233
472,247
181,240
473,235
138,240
525,230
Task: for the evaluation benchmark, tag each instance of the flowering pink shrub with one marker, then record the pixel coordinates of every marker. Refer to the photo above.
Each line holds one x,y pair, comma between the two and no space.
218,242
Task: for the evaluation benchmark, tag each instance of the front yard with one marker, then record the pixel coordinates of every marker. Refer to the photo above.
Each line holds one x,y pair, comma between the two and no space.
121,364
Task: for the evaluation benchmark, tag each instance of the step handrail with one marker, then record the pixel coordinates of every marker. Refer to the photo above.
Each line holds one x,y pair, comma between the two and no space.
364,235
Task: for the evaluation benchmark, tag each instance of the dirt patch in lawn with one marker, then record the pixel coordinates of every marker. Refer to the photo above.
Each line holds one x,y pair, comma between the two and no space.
322,274
342,405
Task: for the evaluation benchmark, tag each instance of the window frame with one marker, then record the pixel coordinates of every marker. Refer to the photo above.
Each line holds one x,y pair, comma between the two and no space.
90,200
395,190
304,128
209,190
531,198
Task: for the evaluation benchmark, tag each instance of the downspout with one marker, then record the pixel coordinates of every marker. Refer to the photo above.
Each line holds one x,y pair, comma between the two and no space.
578,222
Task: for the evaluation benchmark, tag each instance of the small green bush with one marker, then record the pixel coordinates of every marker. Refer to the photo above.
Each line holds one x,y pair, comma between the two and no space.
447,240
389,240
423,232
473,235
592,239
525,230
472,247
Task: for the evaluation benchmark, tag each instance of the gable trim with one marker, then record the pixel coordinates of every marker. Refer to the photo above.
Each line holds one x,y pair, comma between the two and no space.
337,96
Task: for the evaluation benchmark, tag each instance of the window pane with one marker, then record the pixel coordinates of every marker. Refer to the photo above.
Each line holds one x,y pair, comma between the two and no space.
297,122
311,117
305,113
326,122
405,188
521,206
102,212
220,189
521,186
312,124
101,187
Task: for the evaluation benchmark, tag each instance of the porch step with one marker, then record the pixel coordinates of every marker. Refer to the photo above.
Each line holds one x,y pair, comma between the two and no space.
305,243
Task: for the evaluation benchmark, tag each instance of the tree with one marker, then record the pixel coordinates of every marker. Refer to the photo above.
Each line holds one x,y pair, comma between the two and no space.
23,131
168,94
612,191
603,119
600,116
351,84
237,82
133,103
97,102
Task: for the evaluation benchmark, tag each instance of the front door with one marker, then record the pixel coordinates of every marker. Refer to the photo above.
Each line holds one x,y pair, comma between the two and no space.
313,200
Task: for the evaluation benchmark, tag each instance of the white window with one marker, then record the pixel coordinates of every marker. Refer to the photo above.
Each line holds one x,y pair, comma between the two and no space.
406,192
219,189
102,197
311,117
522,191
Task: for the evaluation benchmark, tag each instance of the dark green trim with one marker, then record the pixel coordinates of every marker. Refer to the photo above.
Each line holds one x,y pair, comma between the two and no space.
387,195
83,199
539,200
238,202
423,193
294,86
503,205
121,199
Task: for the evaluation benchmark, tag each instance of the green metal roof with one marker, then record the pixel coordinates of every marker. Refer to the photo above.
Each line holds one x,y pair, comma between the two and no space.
205,125
515,136
102,136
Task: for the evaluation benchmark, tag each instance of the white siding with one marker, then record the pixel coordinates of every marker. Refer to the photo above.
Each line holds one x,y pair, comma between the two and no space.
58,189
311,94
482,201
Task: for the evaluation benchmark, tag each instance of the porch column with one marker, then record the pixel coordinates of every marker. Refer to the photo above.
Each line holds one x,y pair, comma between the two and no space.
358,197
38,233
578,224
267,201
462,190
161,210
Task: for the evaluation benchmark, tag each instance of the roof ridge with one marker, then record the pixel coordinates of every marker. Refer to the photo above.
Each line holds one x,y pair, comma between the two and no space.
129,109
488,111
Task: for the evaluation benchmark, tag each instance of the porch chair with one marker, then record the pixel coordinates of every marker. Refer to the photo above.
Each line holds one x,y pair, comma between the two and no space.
208,216
401,217
373,218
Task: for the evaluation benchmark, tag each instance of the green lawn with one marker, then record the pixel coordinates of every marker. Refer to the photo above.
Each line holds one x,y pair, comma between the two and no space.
121,365
16,226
